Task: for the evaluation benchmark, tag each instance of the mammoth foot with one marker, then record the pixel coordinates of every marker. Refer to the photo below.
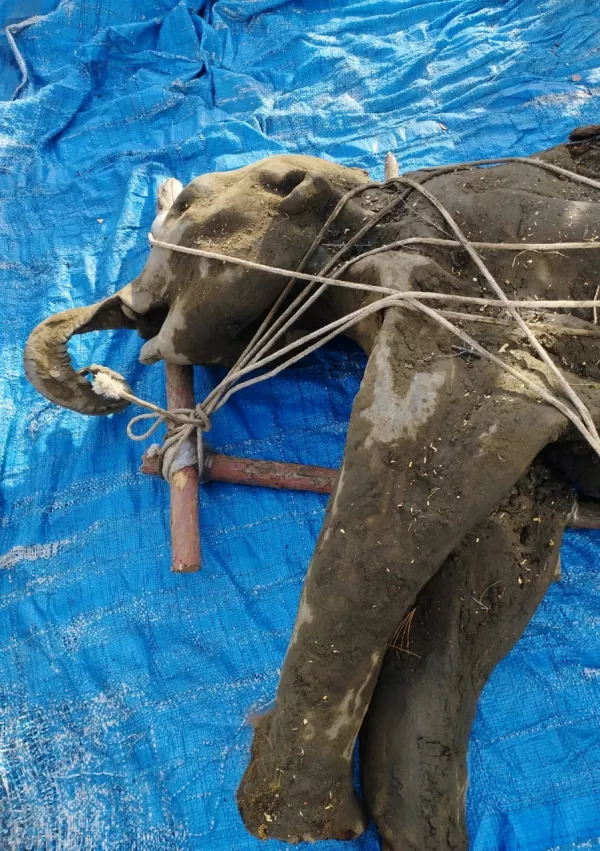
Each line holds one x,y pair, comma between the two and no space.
471,613
281,796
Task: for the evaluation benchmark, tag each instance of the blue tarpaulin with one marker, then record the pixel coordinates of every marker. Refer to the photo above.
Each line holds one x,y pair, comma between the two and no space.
125,690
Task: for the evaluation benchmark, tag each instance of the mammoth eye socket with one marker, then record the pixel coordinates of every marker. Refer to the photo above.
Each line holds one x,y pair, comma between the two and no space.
233,326
281,181
184,200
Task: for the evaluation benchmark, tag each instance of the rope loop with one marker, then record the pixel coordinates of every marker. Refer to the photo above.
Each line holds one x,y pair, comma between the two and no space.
107,382
174,452
202,418
178,450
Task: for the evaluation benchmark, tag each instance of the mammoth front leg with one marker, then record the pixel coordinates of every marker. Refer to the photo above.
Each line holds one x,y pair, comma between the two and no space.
433,445
469,615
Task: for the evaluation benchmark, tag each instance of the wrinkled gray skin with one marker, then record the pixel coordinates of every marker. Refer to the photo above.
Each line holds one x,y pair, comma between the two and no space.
415,737
434,442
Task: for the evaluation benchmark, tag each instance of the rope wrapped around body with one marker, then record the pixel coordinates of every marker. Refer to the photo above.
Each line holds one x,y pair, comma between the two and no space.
177,450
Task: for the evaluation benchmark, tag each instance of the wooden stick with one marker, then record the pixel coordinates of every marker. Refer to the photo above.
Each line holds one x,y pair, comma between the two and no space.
269,474
305,477
262,474
185,525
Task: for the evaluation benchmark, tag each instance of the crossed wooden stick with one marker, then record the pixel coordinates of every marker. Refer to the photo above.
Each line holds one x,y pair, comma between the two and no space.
185,526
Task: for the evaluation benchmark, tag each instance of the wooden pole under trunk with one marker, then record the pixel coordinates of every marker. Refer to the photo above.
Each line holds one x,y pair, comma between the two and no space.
185,521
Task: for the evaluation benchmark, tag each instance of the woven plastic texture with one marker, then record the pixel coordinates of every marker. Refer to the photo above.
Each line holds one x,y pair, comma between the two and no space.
125,690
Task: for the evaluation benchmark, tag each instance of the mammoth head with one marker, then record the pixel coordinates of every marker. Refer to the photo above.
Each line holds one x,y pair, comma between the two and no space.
190,309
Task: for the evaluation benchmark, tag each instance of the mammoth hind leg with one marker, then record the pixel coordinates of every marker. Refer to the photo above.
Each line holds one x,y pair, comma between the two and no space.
470,614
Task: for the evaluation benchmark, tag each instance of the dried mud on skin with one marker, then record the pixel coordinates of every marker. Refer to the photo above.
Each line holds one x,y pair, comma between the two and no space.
426,422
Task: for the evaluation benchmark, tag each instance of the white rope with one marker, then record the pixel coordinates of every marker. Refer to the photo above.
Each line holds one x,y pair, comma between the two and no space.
401,243
399,299
273,327
585,415
185,421
534,161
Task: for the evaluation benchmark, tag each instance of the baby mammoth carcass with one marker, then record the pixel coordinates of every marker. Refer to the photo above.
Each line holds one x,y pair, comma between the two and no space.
437,438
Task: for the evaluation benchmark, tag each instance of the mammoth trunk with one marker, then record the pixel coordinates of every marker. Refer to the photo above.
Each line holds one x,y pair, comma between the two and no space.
48,364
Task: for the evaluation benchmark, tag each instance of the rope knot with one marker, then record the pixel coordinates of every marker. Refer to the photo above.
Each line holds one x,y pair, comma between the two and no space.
202,418
178,449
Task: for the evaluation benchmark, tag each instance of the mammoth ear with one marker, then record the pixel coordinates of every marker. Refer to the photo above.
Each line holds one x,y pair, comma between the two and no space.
314,191
299,189
581,134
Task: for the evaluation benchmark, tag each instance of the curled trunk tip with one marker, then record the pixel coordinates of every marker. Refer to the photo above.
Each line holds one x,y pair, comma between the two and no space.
48,364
